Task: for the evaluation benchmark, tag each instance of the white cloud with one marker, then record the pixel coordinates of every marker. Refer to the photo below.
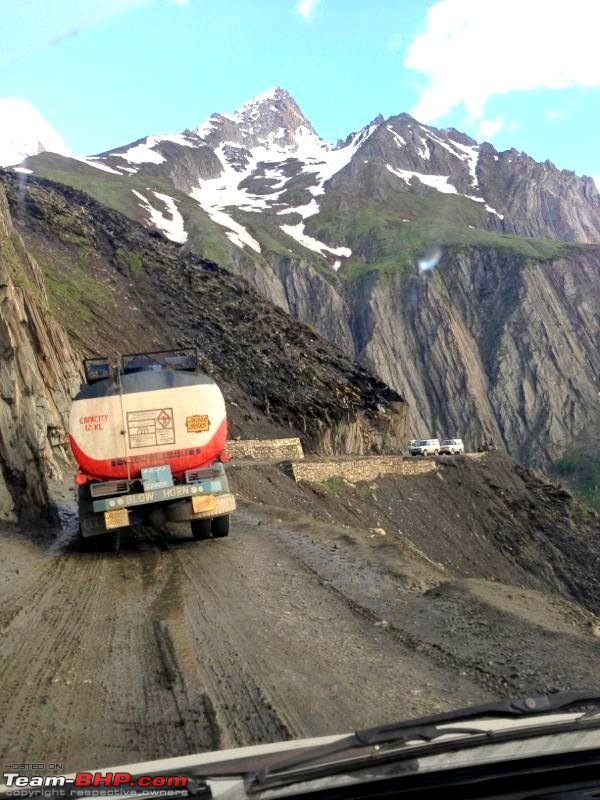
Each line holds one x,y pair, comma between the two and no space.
473,50
488,128
24,132
597,179
306,7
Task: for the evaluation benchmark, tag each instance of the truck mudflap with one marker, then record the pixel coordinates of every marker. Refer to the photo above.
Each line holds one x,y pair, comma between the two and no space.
91,525
216,506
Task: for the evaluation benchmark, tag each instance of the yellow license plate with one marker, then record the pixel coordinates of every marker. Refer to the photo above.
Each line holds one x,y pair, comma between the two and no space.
204,503
116,519
199,423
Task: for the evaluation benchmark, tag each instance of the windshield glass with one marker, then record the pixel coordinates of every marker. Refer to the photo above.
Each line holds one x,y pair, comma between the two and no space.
249,251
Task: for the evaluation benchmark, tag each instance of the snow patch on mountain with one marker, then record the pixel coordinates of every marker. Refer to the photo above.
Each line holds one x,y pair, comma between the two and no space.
400,140
297,233
226,190
24,132
209,199
91,161
208,126
170,223
142,154
493,211
176,138
467,153
308,210
423,150
324,160
471,156
275,175
439,182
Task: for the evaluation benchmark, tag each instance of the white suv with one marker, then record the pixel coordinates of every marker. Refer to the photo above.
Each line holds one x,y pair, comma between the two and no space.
452,447
424,447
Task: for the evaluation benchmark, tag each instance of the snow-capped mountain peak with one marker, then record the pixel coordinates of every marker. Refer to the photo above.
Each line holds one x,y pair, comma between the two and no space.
270,118
277,100
24,132
258,177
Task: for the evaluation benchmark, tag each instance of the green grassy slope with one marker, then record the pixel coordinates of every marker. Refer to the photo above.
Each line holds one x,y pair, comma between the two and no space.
579,467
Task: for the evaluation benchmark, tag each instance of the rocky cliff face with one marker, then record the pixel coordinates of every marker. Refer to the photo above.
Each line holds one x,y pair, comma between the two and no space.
38,374
491,344
539,200
487,343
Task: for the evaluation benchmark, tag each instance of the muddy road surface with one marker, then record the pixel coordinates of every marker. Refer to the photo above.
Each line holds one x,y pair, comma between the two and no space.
169,646
295,625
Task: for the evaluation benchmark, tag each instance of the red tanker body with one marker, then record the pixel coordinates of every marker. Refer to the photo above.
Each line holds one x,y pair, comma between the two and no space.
152,418
149,438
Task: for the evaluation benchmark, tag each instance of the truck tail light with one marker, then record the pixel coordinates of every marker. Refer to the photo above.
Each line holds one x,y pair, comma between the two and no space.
195,475
108,488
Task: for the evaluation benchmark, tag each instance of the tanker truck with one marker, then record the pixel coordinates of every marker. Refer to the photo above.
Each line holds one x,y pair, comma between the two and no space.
149,436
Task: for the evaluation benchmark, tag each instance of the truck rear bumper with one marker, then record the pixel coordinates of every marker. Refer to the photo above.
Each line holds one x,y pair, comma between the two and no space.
167,495
173,504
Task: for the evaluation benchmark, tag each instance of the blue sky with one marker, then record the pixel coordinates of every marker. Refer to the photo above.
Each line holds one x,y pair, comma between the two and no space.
106,73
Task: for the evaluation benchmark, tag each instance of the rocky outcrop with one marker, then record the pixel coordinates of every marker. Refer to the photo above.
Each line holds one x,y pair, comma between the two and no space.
273,117
537,199
38,373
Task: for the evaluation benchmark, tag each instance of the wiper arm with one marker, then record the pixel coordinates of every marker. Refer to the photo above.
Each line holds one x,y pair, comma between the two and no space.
520,707
426,728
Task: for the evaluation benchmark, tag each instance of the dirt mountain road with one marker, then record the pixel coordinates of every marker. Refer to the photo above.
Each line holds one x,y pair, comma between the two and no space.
292,626
171,646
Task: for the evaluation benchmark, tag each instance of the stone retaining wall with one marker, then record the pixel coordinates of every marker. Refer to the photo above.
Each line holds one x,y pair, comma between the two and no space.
358,469
265,449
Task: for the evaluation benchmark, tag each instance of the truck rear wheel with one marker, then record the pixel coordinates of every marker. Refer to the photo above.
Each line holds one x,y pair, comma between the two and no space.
201,528
220,527
87,544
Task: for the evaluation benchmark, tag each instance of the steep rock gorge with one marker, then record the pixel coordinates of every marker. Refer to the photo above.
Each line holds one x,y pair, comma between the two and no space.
487,343
38,375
